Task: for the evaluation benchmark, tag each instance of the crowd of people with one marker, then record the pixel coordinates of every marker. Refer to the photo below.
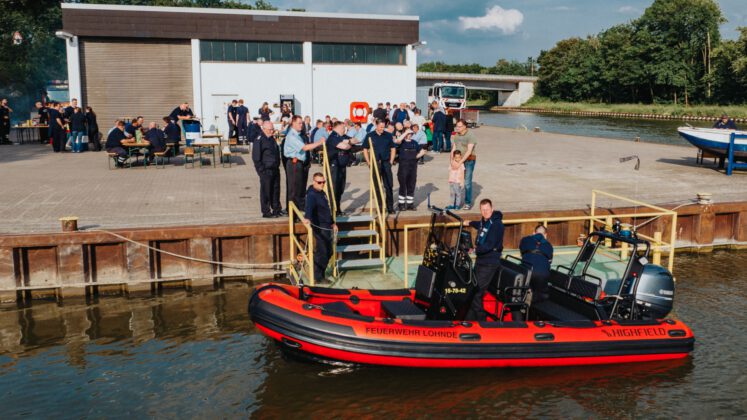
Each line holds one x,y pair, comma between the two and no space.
393,136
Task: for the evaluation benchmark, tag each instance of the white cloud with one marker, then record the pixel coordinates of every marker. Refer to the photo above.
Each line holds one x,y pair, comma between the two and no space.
561,9
628,10
495,17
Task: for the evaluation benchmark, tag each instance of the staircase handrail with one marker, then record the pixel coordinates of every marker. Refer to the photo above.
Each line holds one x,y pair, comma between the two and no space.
307,257
374,203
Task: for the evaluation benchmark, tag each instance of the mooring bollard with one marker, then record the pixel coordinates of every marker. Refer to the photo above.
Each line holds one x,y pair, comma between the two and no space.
69,224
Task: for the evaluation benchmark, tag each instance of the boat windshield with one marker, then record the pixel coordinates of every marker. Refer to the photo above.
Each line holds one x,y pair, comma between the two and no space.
607,265
453,92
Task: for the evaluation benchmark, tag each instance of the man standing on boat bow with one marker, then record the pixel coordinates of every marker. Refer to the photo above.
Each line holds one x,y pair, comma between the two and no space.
488,249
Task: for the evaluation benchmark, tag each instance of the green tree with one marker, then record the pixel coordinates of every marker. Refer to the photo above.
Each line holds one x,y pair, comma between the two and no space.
683,32
570,70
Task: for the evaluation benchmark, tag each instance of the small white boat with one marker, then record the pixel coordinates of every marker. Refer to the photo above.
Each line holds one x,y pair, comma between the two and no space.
714,140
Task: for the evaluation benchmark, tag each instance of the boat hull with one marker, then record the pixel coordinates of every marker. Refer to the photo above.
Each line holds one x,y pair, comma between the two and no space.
305,329
714,141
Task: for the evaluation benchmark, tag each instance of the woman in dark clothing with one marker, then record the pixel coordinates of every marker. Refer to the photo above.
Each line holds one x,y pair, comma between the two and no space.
265,111
93,129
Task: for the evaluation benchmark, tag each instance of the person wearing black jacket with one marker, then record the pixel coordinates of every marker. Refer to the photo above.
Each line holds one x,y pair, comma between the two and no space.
57,127
380,113
93,129
338,153
318,215
5,122
266,157
439,127
537,252
488,249
173,134
78,130
43,115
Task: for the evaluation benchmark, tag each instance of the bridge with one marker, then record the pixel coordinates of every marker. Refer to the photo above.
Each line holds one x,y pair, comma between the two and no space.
511,90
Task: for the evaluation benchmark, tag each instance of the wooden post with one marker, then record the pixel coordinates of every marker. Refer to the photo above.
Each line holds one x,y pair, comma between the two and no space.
657,248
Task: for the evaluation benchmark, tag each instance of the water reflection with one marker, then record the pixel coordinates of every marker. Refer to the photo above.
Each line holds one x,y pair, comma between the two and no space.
198,354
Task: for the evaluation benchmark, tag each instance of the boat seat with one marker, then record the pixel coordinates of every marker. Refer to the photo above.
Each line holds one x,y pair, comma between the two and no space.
403,309
550,311
512,281
340,307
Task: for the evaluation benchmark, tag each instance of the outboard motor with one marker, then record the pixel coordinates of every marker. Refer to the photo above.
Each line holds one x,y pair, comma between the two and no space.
654,294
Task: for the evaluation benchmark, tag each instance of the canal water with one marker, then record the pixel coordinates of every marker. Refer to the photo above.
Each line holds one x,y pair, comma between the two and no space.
198,355
652,131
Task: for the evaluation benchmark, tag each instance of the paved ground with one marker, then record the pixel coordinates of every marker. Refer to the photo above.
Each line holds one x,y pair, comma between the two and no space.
518,170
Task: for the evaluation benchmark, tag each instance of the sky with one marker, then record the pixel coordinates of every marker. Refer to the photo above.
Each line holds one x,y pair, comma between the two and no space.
479,31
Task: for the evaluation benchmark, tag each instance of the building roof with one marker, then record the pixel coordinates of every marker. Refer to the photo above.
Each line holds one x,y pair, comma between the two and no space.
115,21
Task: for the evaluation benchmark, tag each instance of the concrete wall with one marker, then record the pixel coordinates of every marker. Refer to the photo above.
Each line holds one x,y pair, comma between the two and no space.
69,264
320,89
518,97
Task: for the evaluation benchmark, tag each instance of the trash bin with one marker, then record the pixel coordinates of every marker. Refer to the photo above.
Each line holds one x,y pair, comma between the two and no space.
191,131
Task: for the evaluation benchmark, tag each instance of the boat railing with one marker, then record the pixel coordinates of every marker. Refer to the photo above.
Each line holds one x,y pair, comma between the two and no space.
621,253
301,255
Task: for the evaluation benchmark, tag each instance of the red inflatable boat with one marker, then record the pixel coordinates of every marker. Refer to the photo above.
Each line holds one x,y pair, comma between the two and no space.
356,326
577,324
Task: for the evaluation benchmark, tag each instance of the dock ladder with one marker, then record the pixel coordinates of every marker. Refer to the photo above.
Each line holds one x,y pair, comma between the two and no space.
361,239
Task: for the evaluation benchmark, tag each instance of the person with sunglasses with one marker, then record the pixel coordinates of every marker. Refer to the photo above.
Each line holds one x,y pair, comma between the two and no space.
318,215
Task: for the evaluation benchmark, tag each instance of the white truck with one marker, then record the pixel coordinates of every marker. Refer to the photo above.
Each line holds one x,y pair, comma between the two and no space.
451,96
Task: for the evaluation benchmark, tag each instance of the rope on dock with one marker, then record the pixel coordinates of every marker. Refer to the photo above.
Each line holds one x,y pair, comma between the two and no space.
249,266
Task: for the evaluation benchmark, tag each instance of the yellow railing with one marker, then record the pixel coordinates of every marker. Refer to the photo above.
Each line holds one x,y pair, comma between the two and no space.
376,209
305,255
657,245
329,190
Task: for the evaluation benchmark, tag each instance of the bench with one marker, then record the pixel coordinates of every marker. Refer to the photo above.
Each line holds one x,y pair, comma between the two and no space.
572,298
189,156
162,156
225,153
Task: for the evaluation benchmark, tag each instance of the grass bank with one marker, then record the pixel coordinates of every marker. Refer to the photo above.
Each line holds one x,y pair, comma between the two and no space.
670,110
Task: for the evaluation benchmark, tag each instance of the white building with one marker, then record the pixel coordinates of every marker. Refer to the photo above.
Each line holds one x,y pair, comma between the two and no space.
126,61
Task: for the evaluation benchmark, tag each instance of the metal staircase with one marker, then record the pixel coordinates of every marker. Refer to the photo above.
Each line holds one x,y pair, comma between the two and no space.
361,238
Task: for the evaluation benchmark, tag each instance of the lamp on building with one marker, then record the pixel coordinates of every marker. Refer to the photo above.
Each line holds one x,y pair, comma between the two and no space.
65,35
17,38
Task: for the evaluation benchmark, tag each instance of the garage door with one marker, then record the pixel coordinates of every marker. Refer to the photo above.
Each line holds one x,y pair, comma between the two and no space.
124,79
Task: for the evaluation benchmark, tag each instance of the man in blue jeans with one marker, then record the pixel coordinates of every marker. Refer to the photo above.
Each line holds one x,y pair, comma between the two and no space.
465,142
439,126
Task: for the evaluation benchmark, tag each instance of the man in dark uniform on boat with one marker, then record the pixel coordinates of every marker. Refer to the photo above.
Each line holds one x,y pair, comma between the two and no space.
725,123
319,216
537,251
488,249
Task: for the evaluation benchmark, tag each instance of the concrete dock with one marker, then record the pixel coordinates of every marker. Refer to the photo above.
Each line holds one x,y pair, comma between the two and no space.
518,170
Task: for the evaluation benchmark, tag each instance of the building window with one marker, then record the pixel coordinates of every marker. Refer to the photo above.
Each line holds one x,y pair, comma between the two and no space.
358,54
259,52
